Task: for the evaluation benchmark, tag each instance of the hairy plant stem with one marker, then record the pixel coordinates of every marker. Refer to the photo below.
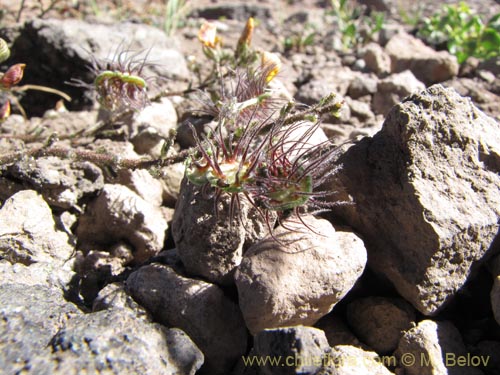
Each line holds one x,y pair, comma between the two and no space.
141,163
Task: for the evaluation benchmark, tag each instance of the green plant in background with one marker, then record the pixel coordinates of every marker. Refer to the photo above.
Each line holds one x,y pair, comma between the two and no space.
356,25
175,10
299,40
463,32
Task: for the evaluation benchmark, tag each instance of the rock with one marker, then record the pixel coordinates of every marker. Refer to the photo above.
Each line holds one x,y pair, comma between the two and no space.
239,12
143,183
211,244
360,110
337,332
488,350
116,341
495,298
429,66
29,318
334,79
301,350
376,59
120,214
362,85
380,321
200,309
27,231
491,65
350,360
432,348
425,193
55,275
171,181
62,183
393,89
300,278
152,126
479,93
68,48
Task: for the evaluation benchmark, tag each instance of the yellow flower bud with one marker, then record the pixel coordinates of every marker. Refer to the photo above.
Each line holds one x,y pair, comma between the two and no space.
271,64
208,35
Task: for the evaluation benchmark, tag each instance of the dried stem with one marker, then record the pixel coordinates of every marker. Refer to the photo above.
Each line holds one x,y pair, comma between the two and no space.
98,158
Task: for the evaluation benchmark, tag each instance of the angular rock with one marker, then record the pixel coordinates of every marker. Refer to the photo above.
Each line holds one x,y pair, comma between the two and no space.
376,59
61,182
198,308
393,89
300,278
301,350
120,214
380,321
116,341
430,349
29,318
211,244
68,47
349,360
425,192
428,65
28,232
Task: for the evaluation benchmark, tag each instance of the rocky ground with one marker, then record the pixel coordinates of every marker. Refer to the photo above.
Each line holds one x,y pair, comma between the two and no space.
127,271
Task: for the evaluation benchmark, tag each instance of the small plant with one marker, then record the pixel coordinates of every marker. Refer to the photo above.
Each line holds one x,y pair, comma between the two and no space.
300,40
259,149
356,25
174,13
462,32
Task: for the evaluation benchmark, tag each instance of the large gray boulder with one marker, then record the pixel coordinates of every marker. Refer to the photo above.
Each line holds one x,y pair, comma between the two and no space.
425,193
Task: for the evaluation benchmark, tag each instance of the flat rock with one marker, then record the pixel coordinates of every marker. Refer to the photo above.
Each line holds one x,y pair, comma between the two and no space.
62,183
426,195
300,278
116,341
198,308
37,312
